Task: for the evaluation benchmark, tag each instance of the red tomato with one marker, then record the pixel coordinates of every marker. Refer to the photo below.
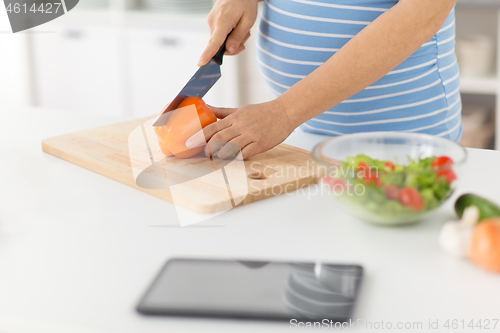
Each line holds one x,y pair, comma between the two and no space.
372,178
369,176
440,161
442,165
364,171
335,184
363,166
410,197
392,192
182,124
449,175
389,166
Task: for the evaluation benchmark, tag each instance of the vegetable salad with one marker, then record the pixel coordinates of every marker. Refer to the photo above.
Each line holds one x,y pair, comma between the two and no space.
384,189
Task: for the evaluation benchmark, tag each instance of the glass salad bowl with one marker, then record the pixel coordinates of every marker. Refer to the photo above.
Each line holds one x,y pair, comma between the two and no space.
390,178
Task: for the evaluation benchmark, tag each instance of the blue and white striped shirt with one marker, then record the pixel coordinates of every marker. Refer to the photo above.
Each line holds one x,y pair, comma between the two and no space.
420,95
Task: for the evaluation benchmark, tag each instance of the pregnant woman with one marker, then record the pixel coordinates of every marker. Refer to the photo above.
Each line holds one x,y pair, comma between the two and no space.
340,67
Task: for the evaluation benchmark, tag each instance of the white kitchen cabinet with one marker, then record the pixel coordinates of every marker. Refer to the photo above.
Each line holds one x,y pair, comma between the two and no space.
76,69
161,61
122,69
481,17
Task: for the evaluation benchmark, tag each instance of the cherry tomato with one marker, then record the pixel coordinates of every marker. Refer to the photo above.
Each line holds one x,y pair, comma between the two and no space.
368,175
372,178
410,197
363,171
442,165
389,166
335,184
440,161
181,125
363,166
449,175
392,192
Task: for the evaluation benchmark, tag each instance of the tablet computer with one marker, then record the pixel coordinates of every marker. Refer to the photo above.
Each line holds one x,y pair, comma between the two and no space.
301,291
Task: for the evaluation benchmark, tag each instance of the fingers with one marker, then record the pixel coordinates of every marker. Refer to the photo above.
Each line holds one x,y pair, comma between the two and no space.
249,151
216,40
212,148
233,147
241,47
219,139
222,113
201,137
237,37
238,51
246,38
234,43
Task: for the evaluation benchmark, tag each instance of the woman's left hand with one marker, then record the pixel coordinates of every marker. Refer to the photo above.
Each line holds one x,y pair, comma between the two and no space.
252,128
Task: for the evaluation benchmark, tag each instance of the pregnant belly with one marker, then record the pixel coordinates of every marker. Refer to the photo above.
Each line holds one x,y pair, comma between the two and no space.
295,38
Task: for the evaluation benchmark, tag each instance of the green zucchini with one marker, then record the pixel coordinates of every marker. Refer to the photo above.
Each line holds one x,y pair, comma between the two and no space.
486,207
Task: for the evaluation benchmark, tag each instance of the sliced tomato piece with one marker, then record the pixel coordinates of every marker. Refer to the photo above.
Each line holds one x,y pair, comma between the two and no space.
410,197
449,175
389,166
442,165
335,184
363,166
392,192
363,170
368,175
440,161
328,180
371,178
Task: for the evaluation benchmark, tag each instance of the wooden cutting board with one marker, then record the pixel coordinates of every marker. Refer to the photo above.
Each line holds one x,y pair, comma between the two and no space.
128,153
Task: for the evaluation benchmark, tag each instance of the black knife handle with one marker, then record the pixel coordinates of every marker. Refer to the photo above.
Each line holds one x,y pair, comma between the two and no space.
218,56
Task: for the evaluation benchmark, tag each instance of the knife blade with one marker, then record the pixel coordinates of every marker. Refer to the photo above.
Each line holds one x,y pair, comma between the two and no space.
201,82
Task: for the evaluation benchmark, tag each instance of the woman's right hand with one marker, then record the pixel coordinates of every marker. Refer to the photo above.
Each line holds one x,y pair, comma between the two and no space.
226,15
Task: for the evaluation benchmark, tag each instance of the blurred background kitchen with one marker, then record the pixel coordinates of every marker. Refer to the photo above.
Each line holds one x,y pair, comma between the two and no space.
130,58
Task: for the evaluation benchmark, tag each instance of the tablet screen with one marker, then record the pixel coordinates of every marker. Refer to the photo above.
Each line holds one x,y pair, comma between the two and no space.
253,289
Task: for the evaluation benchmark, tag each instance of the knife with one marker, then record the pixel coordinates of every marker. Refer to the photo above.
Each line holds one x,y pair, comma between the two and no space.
201,82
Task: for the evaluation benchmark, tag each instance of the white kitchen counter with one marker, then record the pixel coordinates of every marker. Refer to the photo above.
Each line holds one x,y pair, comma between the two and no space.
77,250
